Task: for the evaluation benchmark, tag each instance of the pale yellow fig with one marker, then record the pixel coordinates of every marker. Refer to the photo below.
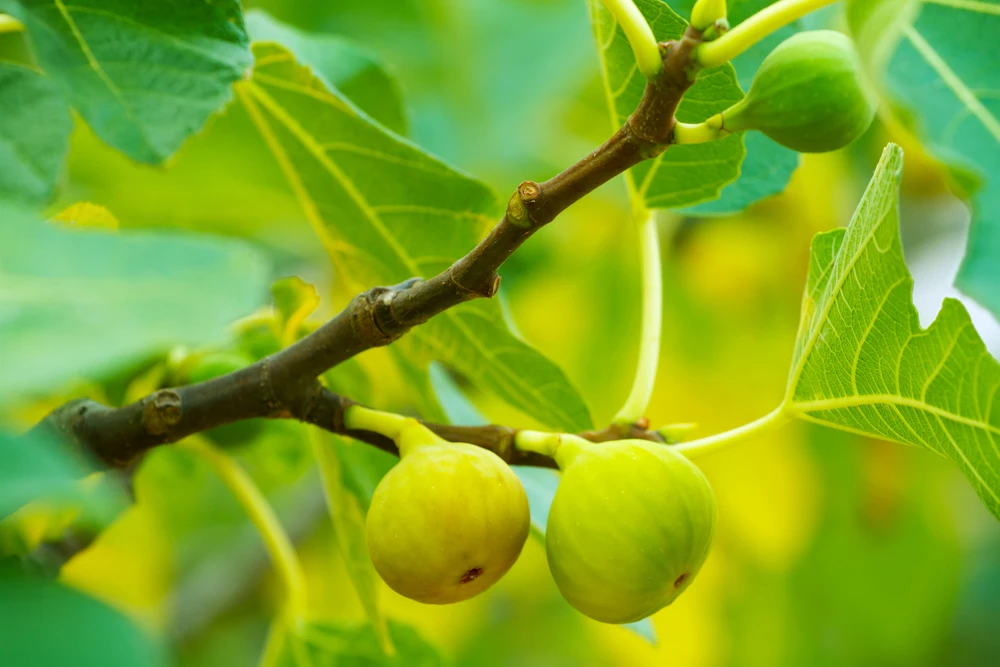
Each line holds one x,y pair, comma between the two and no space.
629,528
447,521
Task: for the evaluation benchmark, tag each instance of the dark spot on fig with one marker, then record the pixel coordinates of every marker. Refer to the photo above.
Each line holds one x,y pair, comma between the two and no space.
680,580
471,575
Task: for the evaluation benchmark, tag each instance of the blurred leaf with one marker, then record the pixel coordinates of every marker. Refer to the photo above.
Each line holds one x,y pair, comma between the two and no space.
314,643
348,520
936,61
863,364
79,303
682,175
34,134
341,64
768,166
144,75
34,466
294,301
387,212
85,214
44,624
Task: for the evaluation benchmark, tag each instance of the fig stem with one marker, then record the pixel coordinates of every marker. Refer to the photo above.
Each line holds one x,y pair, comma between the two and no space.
10,24
389,424
703,446
705,13
699,133
261,514
754,29
652,322
639,34
562,447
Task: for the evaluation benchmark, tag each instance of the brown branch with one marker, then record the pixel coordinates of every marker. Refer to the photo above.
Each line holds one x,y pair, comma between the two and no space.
119,435
285,385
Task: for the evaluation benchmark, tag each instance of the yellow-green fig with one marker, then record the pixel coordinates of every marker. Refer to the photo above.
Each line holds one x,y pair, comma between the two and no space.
629,528
447,521
808,95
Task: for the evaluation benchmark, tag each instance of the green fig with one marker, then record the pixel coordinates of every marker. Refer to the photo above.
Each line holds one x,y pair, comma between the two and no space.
447,521
629,528
808,95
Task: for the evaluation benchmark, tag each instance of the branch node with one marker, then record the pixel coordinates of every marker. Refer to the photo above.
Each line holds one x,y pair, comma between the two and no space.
162,412
520,205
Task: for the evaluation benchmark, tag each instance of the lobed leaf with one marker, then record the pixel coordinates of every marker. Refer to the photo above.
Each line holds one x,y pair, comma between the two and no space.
936,61
683,175
144,75
386,211
863,364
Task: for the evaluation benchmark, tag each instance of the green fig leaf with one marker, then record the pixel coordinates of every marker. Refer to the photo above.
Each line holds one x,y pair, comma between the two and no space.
347,514
348,67
768,166
386,212
144,75
43,623
34,134
35,466
935,61
83,302
319,643
863,364
683,175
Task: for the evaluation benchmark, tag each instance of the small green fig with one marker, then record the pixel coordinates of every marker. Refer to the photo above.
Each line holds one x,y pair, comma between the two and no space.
808,95
447,521
629,528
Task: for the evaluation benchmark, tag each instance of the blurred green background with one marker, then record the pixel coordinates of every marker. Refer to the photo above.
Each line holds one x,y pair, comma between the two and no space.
831,549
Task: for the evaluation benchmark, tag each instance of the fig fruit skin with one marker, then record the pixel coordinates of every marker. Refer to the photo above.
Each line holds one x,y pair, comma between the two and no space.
447,522
808,95
629,528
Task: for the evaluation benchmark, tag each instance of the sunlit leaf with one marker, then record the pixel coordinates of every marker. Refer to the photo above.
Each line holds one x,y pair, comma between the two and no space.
386,212
34,133
936,61
78,303
346,66
863,364
144,75
43,623
683,175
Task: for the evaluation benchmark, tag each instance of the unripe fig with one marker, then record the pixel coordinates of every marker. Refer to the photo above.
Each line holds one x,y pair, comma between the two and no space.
447,521
808,95
629,528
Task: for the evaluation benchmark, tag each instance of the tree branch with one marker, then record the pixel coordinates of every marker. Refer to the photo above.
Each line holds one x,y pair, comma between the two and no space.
285,385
